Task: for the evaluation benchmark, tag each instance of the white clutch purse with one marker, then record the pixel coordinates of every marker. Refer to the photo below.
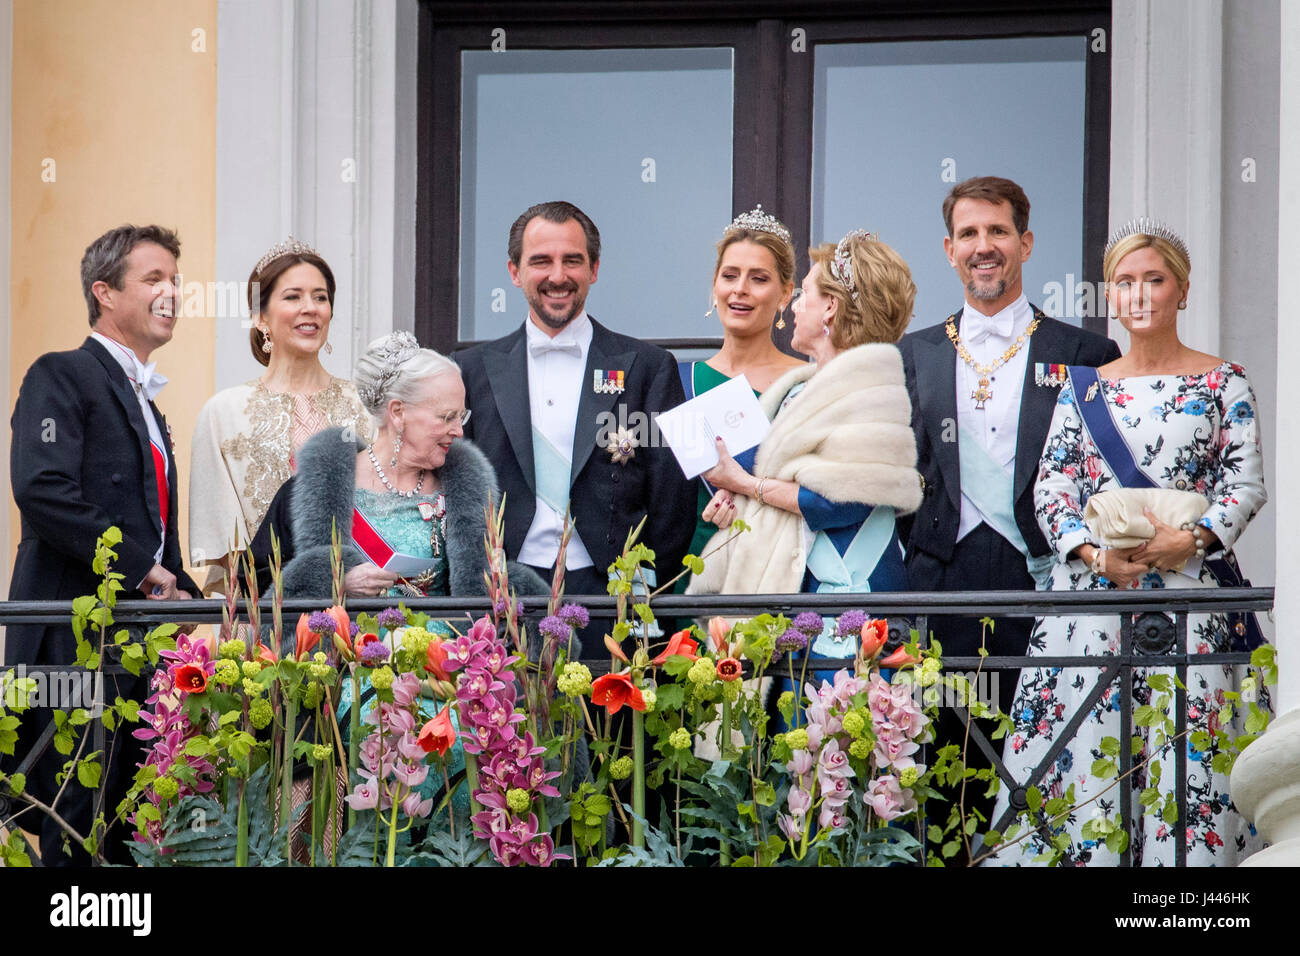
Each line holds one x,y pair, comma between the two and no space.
1116,518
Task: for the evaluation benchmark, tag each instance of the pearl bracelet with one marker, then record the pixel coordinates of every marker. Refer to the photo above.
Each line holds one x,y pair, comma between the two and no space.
1195,529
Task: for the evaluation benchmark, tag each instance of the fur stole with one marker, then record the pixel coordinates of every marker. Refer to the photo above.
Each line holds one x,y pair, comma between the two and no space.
846,436
322,499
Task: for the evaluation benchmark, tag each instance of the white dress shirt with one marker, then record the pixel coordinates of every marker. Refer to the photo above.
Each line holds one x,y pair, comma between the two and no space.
557,369
987,337
146,383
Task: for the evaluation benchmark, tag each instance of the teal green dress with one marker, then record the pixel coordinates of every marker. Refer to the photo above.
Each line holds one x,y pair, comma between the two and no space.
400,521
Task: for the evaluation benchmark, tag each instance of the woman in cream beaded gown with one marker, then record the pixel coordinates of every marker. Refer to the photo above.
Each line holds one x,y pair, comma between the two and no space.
246,437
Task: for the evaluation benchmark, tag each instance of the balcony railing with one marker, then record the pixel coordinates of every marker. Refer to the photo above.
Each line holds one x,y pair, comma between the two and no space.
1153,623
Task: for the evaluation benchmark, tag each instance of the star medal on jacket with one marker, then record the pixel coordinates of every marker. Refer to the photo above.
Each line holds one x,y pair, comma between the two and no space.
607,382
435,511
622,446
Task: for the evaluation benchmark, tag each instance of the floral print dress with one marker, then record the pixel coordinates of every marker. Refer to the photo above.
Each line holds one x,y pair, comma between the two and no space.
1190,432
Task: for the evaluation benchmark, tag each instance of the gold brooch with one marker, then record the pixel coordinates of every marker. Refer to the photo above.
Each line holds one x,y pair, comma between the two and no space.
621,447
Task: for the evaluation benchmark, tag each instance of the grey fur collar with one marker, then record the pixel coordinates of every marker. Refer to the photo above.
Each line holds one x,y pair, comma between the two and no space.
323,498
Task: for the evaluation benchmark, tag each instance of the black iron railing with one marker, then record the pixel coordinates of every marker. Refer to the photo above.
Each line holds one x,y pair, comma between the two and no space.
1153,624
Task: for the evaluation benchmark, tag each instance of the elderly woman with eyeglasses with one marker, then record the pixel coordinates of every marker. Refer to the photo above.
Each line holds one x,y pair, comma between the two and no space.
418,490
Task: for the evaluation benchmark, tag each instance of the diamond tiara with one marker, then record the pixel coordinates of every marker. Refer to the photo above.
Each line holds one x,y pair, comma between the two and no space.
1143,226
390,354
290,246
840,268
760,221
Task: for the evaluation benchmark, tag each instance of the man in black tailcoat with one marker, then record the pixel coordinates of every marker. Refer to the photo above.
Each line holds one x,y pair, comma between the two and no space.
563,409
984,385
91,450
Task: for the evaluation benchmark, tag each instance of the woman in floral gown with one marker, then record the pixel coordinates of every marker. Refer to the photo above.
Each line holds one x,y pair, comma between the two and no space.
1190,422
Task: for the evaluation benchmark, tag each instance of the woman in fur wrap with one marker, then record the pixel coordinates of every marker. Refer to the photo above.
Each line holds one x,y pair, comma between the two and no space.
419,489
821,492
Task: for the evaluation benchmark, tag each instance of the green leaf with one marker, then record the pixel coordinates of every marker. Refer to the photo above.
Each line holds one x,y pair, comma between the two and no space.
1146,716
644,613
1117,841
88,773
950,849
1110,746
764,793
1104,769
1035,798
694,563
1159,682
17,783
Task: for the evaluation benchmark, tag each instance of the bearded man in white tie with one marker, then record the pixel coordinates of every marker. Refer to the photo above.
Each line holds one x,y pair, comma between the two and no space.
983,385
90,450
543,398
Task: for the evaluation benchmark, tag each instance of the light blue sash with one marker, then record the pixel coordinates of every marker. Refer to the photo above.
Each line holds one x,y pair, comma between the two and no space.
551,473
849,572
991,487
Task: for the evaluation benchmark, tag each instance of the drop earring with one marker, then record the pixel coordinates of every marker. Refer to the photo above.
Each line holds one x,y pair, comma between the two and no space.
397,446
780,319
713,307
329,349
266,343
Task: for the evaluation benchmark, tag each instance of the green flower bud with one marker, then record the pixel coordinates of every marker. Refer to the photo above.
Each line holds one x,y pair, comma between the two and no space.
232,649
702,672
731,691
260,713
908,777
320,753
251,688
416,640
797,739
574,680
166,788
860,749
319,657
649,695
854,724
621,768
312,696
382,679
517,800
680,738
227,672
251,668
320,670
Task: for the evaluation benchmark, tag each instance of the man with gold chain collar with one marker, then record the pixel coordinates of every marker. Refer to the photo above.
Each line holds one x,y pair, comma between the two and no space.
983,386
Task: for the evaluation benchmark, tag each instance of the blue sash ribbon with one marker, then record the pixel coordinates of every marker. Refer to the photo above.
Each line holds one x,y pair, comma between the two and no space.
551,473
849,572
992,488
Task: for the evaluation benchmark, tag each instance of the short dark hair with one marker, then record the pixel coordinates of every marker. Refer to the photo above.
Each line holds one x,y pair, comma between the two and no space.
992,189
263,283
557,211
105,258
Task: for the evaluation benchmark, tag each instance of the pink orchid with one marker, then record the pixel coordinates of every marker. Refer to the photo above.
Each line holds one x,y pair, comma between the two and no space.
801,761
799,801
365,796
830,817
787,826
406,688
888,799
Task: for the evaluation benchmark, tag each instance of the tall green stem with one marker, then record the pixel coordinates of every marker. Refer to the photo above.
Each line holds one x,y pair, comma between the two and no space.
241,829
286,772
354,739
638,779
471,781
724,747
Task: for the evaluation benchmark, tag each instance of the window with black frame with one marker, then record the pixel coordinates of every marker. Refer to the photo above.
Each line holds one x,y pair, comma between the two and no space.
664,127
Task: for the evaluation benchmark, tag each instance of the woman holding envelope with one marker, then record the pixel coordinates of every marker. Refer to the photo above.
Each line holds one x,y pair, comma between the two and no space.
413,499
753,281
821,492
1151,470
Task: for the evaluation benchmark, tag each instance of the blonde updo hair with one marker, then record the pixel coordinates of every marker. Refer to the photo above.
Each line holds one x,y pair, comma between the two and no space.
1180,267
395,367
781,250
885,292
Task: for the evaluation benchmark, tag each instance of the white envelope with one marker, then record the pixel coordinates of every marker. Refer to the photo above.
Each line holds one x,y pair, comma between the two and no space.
730,411
408,565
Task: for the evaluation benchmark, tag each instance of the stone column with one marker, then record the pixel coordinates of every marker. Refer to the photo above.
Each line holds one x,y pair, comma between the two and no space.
1266,780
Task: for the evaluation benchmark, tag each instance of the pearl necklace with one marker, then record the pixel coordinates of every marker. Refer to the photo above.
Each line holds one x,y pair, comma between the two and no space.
388,484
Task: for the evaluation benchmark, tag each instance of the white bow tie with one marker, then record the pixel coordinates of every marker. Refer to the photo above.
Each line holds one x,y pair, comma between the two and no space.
550,345
148,381
976,327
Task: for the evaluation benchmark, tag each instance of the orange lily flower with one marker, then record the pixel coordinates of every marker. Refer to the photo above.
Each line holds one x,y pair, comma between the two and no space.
874,634
435,660
681,644
306,639
437,735
719,630
900,658
612,691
